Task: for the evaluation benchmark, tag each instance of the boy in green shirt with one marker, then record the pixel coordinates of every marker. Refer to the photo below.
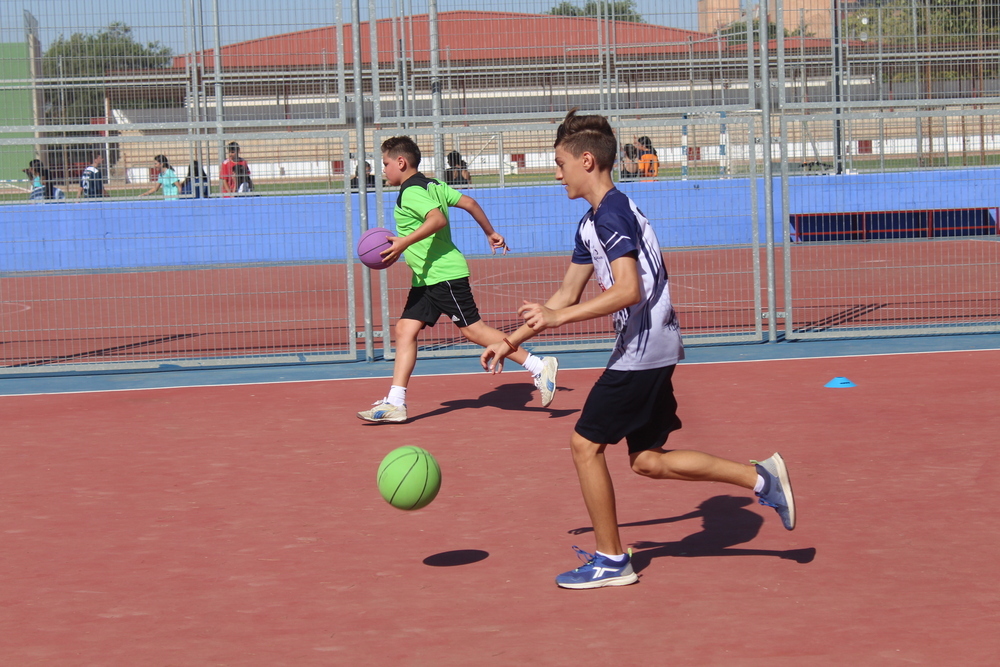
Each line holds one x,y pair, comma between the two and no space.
440,276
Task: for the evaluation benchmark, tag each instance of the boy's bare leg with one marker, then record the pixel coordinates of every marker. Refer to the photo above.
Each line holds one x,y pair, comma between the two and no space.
598,492
692,466
484,335
775,487
598,489
406,350
392,408
543,369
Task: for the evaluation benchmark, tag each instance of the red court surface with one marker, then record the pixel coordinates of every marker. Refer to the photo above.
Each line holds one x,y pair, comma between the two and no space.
47,320
241,525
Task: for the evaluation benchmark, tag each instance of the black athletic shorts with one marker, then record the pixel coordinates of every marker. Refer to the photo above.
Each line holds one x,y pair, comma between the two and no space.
636,405
451,297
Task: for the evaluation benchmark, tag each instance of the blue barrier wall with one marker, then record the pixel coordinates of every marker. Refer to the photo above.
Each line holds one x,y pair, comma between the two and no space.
95,236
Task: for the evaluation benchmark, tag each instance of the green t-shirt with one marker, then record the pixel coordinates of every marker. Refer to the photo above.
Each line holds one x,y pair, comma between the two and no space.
436,258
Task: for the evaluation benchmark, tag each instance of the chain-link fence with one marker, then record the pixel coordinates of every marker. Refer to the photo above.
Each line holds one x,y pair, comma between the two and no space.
185,187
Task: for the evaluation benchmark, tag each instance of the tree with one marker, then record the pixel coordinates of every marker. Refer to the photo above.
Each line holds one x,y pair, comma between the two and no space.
952,22
92,56
927,26
619,10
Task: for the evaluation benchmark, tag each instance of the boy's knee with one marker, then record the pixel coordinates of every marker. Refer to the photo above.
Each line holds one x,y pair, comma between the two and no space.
582,448
406,329
477,333
647,464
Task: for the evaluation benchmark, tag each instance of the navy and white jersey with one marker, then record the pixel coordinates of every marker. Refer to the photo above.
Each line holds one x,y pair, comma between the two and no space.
92,182
648,333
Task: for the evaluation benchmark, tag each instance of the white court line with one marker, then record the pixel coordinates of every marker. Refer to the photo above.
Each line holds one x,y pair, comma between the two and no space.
674,284
21,307
389,373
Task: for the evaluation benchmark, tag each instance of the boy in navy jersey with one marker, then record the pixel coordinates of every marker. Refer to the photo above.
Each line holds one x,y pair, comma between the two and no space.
634,398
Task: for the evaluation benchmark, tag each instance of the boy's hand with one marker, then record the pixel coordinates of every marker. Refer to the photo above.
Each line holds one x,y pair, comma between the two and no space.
497,241
537,316
391,254
493,356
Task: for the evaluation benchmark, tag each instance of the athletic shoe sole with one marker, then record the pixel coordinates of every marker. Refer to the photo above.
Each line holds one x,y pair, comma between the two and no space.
547,387
613,581
786,486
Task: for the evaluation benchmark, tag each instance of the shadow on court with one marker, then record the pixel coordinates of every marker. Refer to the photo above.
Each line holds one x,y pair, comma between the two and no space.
457,557
724,524
521,397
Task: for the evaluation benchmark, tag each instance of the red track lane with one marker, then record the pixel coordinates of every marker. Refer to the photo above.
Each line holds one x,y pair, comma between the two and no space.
241,525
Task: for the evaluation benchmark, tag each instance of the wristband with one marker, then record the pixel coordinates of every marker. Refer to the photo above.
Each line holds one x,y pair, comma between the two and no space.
513,348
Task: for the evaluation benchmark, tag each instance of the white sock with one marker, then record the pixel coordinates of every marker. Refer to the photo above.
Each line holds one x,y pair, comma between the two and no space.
620,558
533,364
397,395
759,485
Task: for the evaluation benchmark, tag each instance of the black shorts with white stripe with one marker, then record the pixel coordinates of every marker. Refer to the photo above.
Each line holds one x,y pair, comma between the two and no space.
452,298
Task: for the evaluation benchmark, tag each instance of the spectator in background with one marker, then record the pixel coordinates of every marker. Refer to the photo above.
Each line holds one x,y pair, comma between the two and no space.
41,185
167,180
235,172
92,179
629,166
649,164
196,183
369,177
457,172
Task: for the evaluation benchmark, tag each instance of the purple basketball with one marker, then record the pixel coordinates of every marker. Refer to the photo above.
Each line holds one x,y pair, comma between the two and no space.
371,246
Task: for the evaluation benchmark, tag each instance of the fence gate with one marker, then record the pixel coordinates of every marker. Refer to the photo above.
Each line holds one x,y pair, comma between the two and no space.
887,254
147,282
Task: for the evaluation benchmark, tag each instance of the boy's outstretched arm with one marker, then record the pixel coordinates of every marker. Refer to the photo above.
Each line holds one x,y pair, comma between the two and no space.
564,306
565,301
623,293
472,207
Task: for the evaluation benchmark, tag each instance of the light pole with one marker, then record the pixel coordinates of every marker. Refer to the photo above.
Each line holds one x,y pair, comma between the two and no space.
838,90
916,80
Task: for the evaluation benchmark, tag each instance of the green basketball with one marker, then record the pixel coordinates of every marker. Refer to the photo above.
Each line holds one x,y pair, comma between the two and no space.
409,478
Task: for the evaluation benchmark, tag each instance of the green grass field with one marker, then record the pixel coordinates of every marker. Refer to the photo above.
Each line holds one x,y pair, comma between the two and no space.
868,164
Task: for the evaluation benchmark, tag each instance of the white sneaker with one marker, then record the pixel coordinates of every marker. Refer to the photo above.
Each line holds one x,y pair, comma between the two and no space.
384,412
546,380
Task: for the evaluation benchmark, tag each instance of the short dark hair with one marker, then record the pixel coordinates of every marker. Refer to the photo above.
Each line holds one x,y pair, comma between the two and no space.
402,147
233,146
592,134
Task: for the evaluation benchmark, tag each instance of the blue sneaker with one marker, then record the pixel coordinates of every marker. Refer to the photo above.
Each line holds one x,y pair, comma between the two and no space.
546,380
597,572
777,491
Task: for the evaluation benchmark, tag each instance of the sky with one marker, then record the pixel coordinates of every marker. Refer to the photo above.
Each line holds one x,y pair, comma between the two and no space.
164,22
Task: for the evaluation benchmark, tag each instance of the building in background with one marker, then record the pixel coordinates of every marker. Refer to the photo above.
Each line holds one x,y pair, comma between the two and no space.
815,15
